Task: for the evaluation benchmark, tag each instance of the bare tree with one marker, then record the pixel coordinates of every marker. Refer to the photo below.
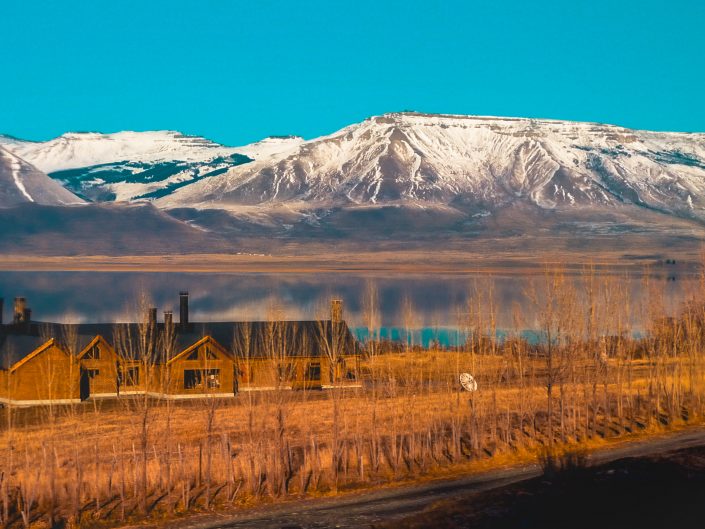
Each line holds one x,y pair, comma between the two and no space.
136,347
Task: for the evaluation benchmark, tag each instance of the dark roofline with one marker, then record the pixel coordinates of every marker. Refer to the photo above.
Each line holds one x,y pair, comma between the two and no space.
125,338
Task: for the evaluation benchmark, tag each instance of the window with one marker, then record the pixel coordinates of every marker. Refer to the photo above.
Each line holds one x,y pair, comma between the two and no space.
92,373
213,378
93,353
247,373
132,376
313,371
201,378
210,355
285,372
193,355
192,378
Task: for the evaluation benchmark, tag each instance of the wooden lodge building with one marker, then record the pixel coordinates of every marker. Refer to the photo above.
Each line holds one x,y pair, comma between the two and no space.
43,363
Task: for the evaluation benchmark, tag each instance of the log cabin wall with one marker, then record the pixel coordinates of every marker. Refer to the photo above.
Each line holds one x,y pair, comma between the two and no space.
47,375
174,361
205,368
100,365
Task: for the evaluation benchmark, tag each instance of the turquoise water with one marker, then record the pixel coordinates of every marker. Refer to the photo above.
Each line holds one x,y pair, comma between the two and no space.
441,336
444,336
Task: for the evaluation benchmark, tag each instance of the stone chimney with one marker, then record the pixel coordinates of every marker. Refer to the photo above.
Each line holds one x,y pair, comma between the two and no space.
168,319
336,310
19,310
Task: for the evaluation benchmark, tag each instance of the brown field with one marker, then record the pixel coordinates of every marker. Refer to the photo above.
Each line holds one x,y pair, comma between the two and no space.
520,255
588,381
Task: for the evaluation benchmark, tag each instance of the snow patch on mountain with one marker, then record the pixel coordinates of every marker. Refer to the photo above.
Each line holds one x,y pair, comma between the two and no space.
22,183
85,149
15,168
128,166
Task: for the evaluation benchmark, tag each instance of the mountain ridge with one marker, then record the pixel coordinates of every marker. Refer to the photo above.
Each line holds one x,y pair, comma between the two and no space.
386,173
454,159
128,165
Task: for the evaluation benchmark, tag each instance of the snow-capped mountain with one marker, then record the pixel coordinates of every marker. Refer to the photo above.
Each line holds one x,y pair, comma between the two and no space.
22,183
85,149
471,164
403,172
39,216
137,165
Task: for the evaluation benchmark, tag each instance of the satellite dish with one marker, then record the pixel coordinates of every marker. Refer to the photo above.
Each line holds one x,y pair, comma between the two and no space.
468,382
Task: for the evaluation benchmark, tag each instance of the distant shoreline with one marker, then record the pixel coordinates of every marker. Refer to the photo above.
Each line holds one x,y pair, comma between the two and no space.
413,261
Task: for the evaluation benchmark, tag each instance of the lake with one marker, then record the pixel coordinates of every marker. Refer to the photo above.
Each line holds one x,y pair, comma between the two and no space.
435,304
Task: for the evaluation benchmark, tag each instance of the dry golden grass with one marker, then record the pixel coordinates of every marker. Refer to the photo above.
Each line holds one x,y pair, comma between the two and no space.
588,383
219,453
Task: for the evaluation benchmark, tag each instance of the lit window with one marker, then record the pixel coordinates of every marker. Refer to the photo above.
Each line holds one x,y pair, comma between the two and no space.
201,378
213,378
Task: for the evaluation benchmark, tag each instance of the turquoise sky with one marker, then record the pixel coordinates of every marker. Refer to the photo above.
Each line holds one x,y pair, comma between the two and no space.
237,71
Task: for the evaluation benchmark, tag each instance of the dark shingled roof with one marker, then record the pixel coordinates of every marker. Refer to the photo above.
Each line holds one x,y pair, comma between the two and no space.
132,340
14,347
293,338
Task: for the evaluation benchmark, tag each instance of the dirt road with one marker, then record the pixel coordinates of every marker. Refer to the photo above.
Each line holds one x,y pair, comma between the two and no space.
366,509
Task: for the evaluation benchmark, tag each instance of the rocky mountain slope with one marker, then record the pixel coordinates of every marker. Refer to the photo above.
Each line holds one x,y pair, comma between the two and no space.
101,229
401,176
128,166
39,216
22,183
471,164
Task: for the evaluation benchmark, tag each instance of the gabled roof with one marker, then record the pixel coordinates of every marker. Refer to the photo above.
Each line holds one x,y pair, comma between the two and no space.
205,340
36,352
266,339
15,347
95,341
260,339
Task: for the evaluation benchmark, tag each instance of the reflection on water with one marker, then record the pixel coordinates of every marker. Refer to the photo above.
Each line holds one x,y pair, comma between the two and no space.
429,301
